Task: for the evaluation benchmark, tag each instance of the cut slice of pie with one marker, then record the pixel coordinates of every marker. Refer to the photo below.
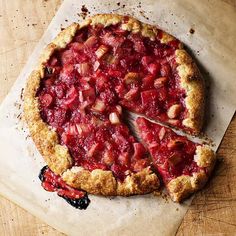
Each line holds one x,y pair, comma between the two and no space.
183,165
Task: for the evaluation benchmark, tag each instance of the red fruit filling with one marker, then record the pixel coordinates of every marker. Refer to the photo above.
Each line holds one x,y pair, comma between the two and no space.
54,183
172,154
84,84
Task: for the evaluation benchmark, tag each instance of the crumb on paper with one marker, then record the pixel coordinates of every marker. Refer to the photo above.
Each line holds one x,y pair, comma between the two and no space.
142,13
84,12
84,8
162,194
21,94
62,27
191,31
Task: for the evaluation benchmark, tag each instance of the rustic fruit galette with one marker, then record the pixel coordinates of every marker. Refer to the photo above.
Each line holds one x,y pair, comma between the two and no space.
75,101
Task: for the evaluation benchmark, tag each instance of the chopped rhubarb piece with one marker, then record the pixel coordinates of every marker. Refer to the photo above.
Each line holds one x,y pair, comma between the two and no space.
96,65
72,130
60,90
93,150
165,70
65,138
154,68
111,40
99,106
82,128
84,68
119,171
68,57
101,51
174,111
91,42
77,46
119,109
89,95
124,159
101,82
121,90
114,118
140,165
132,94
146,60
139,47
175,143
147,82
173,122
53,61
114,73
149,96
160,82
162,133
139,150
131,77
71,96
108,157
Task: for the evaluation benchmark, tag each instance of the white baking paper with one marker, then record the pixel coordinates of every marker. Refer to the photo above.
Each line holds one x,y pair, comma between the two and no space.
213,46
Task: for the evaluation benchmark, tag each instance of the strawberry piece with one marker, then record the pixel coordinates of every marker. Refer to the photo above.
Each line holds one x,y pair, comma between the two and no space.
71,96
139,151
154,68
165,70
132,94
146,60
46,100
147,82
149,97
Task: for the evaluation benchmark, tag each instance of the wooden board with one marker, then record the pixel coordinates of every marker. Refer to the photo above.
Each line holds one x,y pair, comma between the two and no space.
22,23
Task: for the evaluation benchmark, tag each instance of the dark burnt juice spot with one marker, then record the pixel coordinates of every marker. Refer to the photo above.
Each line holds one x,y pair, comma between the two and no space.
54,183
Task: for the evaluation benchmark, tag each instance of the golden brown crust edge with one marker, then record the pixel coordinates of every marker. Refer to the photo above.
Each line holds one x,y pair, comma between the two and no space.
45,138
57,156
103,182
192,82
182,186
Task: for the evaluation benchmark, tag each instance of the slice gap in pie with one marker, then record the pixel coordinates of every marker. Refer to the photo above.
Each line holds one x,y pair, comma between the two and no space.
183,165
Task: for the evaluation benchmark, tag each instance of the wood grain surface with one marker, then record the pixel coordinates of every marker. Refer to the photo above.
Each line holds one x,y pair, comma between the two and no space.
213,211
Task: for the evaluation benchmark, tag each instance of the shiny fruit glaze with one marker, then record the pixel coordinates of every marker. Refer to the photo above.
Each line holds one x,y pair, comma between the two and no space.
86,85
54,183
173,155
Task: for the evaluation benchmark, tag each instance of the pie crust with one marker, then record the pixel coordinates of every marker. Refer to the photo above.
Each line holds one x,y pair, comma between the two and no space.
99,181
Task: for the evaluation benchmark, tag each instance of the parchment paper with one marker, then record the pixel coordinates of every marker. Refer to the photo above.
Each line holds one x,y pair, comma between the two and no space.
212,44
